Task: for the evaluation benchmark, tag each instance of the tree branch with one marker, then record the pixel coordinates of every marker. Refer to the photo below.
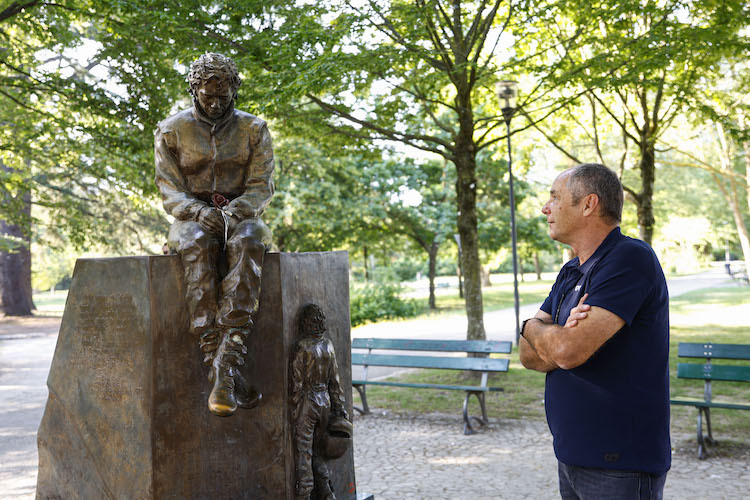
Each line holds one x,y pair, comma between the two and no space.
555,144
615,118
482,39
390,134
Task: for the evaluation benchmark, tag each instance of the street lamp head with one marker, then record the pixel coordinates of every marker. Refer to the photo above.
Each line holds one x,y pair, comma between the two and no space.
507,93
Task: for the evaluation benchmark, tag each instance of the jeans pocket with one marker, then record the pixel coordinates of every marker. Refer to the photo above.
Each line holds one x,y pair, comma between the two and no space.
621,474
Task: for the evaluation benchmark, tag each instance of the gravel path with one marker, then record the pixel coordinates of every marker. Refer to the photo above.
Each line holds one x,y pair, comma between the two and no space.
427,456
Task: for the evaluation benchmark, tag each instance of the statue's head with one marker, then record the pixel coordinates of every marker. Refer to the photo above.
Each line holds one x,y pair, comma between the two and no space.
312,321
213,81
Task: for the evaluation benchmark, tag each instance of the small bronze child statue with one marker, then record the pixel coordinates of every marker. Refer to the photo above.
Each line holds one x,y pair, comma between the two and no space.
322,429
214,167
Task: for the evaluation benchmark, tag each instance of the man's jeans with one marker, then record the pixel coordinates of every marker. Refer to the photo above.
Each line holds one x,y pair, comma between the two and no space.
583,483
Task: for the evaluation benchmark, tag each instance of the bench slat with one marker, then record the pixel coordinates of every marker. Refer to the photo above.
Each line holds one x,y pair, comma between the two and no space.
429,386
712,404
445,362
473,346
713,372
711,350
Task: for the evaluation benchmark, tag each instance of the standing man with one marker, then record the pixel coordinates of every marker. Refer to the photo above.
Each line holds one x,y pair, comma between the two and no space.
213,167
602,337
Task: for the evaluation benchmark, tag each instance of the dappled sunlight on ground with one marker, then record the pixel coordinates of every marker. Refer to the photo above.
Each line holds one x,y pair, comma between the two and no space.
726,307
707,315
448,460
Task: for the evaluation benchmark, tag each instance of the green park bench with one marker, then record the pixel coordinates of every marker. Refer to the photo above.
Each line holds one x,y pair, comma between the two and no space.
709,372
483,365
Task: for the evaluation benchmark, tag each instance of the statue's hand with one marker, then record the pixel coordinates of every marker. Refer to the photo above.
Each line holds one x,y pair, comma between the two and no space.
233,221
210,220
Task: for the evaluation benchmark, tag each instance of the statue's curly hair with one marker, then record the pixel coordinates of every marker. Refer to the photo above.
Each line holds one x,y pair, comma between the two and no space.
211,65
312,321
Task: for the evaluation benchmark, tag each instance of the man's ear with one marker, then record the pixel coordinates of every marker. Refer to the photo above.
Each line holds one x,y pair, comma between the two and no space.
590,203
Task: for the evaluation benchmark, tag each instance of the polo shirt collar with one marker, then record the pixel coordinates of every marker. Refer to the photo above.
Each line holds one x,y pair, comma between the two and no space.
612,238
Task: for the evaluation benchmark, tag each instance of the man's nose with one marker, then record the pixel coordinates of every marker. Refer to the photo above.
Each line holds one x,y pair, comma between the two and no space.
545,210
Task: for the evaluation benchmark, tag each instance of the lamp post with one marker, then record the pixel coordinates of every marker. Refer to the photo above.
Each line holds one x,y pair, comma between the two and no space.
507,92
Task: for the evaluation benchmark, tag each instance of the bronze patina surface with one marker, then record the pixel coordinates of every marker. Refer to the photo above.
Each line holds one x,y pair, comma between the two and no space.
126,415
321,426
214,167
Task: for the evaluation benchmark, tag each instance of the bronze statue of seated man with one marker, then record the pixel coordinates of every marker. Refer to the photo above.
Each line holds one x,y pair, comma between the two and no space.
214,167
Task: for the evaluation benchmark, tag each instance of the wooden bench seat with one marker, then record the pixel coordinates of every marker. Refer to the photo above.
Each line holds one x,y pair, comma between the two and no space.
483,365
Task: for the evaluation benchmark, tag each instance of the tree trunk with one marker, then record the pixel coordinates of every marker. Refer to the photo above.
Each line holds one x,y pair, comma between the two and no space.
466,194
460,274
739,220
742,231
645,206
520,270
485,272
364,251
432,267
15,264
537,266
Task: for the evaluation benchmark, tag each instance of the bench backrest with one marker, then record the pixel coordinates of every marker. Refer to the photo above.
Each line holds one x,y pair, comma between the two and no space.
715,351
709,371
470,346
443,362
713,372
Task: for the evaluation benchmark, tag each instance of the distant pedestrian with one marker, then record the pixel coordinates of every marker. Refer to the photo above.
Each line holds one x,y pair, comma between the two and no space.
602,337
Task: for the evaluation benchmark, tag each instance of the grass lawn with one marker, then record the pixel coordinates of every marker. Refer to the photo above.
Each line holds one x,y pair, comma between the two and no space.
728,310
50,302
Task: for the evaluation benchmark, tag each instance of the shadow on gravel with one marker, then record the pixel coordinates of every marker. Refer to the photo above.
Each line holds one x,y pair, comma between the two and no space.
726,448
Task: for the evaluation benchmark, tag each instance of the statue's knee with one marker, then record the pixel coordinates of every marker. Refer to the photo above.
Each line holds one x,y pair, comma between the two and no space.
192,240
248,243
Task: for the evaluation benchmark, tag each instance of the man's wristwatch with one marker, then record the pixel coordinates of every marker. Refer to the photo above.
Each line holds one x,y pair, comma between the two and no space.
523,325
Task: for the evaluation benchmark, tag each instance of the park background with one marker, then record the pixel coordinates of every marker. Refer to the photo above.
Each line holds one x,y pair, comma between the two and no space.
388,135
390,143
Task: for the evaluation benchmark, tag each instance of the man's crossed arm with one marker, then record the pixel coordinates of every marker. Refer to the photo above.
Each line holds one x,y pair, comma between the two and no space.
546,346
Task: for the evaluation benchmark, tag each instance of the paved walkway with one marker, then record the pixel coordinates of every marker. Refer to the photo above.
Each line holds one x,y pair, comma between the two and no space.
427,456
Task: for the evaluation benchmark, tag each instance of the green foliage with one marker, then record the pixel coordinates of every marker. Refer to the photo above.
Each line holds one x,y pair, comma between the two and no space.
623,73
52,268
407,267
379,300
76,141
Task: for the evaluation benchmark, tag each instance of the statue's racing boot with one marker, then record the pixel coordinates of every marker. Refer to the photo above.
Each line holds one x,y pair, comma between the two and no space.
245,393
221,401
230,387
208,343
228,355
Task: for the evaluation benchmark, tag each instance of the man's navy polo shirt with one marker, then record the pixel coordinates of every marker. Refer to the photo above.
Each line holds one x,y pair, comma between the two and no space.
612,411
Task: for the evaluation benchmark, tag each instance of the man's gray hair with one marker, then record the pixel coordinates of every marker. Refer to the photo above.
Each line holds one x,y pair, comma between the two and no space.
594,178
211,65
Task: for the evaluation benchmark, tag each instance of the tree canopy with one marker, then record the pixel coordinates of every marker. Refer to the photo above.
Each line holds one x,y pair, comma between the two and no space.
366,99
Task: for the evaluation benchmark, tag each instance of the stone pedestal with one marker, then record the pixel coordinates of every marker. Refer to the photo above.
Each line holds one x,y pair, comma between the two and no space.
127,415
